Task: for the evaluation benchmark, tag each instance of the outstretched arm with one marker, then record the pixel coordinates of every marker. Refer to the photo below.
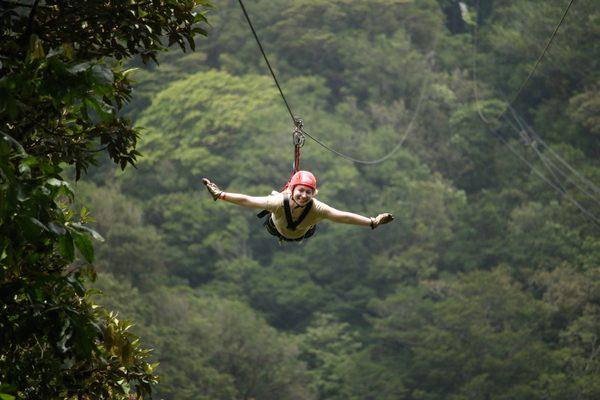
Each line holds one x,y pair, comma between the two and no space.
346,217
235,198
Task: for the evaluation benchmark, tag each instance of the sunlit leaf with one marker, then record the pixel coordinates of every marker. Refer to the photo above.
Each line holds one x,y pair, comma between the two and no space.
89,230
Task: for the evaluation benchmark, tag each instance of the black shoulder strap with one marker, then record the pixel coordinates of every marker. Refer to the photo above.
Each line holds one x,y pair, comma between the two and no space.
292,225
263,213
288,212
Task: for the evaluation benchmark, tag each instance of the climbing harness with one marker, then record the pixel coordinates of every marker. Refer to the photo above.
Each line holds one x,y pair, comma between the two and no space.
298,140
291,224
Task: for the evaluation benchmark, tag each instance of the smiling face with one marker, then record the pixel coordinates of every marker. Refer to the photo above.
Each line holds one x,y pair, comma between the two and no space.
302,194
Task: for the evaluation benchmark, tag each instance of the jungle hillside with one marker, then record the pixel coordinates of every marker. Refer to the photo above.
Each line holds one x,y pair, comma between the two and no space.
475,123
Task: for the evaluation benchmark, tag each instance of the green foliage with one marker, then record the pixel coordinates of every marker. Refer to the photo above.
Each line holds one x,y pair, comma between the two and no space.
211,348
61,89
55,342
585,107
202,115
485,284
133,249
328,347
475,337
343,42
285,292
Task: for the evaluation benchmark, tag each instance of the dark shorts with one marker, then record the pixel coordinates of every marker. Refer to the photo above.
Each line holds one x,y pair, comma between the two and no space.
270,226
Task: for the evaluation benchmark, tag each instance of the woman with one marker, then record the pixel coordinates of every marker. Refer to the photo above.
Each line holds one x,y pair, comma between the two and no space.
295,212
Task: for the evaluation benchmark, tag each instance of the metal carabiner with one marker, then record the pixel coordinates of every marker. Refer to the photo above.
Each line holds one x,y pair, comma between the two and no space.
299,138
297,134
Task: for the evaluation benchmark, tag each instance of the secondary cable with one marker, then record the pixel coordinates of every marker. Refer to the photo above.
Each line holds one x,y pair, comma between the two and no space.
391,152
487,122
591,217
523,124
527,131
524,83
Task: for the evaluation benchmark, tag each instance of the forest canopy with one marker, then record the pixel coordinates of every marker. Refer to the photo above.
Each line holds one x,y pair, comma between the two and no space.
486,285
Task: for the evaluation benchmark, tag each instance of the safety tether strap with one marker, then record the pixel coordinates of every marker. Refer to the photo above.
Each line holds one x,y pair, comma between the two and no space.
298,138
292,225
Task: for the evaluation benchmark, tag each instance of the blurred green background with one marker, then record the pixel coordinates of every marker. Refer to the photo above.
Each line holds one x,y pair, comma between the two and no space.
486,285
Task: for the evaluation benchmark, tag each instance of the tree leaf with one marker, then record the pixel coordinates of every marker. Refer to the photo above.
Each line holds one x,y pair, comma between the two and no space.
84,245
65,247
104,74
57,228
89,230
80,67
36,49
10,139
38,223
58,182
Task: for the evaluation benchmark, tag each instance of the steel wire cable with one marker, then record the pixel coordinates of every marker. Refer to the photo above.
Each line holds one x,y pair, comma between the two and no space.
262,50
391,152
530,75
551,166
487,122
537,138
590,216
539,59
557,184
319,142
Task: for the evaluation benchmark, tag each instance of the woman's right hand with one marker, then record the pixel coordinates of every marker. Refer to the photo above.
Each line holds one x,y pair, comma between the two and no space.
212,188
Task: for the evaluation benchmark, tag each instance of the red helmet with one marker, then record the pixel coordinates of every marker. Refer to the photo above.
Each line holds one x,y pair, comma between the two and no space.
303,178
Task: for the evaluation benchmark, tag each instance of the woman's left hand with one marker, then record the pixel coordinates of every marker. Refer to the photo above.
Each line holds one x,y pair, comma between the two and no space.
382,219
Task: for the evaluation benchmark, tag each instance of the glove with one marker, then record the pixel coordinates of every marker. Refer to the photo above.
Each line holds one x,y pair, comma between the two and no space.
381,219
213,189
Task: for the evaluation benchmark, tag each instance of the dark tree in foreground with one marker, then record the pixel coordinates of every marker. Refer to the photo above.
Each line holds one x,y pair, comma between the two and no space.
62,85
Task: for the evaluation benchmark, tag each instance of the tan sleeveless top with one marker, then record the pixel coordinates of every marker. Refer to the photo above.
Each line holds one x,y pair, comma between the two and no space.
275,205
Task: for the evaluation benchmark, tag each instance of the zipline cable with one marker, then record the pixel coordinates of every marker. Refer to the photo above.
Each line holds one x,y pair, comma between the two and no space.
524,83
591,217
557,186
488,123
539,59
538,139
525,136
391,152
533,138
299,126
267,61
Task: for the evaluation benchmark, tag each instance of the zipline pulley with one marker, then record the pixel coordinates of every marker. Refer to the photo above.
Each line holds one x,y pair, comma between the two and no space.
298,138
